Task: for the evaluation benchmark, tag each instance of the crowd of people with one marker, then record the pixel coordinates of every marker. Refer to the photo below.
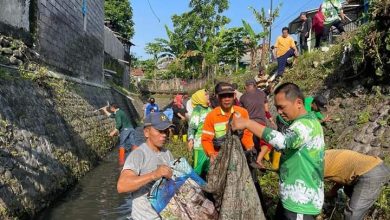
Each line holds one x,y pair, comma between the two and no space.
330,16
295,131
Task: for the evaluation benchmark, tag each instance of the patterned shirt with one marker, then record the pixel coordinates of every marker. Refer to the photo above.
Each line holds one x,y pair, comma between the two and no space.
195,126
331,10
302,164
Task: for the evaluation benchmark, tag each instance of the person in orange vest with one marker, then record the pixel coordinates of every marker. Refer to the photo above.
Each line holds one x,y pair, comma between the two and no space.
215,124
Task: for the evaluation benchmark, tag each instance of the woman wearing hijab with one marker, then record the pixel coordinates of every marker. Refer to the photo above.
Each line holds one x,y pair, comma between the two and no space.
200,102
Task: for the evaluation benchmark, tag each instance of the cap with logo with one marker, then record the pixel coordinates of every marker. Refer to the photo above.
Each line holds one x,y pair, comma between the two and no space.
157,120
224,88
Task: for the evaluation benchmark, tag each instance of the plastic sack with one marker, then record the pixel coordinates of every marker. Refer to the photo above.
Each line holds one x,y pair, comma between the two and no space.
181,197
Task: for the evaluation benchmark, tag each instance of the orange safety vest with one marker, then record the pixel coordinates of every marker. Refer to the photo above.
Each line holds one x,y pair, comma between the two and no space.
215,125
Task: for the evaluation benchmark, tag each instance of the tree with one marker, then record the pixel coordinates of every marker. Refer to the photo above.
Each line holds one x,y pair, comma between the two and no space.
231,46
120,15
265,23
197,29
251,41
154,48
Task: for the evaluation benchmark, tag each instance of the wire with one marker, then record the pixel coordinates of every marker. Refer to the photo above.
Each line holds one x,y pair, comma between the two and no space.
154,13
291,15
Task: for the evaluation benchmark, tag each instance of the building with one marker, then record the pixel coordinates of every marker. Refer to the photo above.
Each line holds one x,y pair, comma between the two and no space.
352,9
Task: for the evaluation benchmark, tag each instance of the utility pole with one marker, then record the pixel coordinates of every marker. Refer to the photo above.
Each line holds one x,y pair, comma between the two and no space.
270,29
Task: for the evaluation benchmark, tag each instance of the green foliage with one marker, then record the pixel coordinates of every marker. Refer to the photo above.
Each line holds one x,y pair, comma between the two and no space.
251,41
176,70
371,44
313,68
39,76
364,117
148,66
154,48
195,31
270,189
383,202
231,46
265,22
120,14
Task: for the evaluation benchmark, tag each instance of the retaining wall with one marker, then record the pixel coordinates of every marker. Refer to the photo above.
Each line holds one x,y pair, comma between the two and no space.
50,136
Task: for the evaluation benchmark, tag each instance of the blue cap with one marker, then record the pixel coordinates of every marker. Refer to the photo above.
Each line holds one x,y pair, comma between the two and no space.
157,120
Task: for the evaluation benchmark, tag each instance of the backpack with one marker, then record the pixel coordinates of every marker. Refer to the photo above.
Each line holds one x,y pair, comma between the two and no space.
318,21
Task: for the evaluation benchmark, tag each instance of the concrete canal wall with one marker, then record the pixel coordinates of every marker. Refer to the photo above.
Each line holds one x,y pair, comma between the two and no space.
50,136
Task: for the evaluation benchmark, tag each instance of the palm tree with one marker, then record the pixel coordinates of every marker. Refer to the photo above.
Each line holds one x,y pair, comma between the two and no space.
251,41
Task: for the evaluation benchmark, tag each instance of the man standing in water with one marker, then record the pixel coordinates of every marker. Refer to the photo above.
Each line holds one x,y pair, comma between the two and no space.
123,128
145,165
302,163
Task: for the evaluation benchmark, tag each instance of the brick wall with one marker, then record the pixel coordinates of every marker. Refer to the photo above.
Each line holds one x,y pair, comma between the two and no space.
65,45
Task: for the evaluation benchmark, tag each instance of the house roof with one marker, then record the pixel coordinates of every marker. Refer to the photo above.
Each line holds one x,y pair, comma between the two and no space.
137,72
296,23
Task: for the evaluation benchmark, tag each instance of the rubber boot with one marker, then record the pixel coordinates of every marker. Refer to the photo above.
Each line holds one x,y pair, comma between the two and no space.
184,137
175,138
121,156
275,160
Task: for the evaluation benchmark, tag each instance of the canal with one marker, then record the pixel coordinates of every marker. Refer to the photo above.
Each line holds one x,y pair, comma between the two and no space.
94,197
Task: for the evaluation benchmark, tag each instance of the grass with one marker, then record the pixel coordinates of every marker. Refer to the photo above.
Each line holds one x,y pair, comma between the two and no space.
313,68
179,149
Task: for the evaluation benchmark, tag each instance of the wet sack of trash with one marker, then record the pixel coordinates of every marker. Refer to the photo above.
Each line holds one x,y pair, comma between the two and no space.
230,181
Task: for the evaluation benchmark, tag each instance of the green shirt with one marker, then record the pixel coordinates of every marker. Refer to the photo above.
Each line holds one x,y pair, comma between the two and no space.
307,103
331,10
195,125
302,164
121,120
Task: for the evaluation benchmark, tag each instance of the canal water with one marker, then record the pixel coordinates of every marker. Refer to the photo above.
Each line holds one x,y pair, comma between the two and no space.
94,197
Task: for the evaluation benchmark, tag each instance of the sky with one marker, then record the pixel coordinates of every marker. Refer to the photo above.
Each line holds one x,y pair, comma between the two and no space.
150,19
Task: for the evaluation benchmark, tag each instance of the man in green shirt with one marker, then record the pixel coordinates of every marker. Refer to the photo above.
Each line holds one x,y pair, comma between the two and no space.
317,105
333,15
123,126
302,144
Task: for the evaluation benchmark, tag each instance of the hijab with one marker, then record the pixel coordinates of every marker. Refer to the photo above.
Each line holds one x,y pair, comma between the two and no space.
199,98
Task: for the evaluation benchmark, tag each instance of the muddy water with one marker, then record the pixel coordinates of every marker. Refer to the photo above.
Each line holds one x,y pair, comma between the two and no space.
94,197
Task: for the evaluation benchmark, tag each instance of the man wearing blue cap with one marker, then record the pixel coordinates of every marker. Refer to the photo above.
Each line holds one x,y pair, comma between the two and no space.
147,164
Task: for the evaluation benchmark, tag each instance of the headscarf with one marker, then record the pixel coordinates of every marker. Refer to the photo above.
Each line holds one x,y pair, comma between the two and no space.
178,101
199,98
